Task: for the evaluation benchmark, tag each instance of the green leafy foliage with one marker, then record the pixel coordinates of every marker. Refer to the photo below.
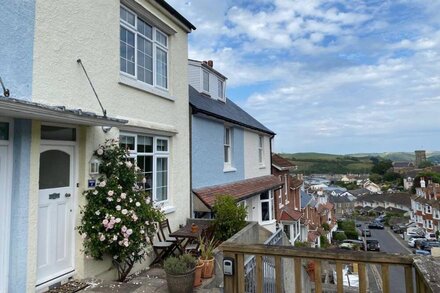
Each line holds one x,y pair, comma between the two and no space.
118,219
326,227
339,236
381,167
229,218
349,229
301,244
324,241
179,265
425,164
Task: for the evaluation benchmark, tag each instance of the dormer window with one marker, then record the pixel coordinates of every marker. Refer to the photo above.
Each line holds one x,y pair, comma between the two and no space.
206,81
221,90
143,50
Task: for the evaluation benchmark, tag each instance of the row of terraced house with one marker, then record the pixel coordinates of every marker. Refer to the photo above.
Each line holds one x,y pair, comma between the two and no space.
173,115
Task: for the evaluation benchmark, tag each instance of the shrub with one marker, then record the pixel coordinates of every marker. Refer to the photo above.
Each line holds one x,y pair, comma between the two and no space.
324,241
301,244
179,265
339,236
118,218
352,234
229,218
326,227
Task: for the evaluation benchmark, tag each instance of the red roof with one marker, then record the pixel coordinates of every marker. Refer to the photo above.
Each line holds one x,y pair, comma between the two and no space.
312,235
288,214
238,189
280,163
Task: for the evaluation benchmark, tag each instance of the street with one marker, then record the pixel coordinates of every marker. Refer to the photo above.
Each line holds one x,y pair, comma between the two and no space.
389,244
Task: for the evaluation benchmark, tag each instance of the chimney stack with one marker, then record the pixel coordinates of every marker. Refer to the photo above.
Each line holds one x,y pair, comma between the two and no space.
211,63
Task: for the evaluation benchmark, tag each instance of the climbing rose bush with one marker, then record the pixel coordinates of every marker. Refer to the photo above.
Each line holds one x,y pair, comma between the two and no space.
118,219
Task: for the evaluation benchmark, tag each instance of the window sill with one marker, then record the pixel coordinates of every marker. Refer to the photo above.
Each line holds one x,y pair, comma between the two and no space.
168,209
268,222
133,83
228,169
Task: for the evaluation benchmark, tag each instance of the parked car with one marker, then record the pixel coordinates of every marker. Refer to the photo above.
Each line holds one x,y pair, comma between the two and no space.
375,225
366,233
352,244
399,229
421,252
427,245
413,239
431,236
380,219
373,245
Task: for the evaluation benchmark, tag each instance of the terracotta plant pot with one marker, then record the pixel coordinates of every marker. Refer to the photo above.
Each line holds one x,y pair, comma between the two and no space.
208,268
198,274
181,283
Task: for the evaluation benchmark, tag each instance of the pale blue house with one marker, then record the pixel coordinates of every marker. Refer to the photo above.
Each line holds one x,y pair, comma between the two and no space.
230,150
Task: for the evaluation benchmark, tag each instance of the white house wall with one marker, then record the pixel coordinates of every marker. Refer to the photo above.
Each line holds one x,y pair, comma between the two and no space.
89,30
194,77
252,167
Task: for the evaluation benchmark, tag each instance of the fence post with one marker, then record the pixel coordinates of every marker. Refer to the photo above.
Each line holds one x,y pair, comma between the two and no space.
230,282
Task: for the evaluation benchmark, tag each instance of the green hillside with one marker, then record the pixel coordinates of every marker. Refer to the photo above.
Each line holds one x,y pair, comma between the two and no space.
309,163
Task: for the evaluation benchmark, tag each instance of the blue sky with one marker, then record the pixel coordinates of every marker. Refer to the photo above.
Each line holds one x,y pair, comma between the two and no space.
342,76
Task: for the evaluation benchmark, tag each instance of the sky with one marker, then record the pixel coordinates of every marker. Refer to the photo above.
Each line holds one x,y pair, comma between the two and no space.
340,76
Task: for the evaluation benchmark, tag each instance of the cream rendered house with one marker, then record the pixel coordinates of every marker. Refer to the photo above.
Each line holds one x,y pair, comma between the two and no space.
135,53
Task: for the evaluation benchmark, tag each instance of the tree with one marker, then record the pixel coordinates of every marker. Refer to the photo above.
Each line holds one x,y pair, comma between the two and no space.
376,178
229,218
425,164
382,166
118,219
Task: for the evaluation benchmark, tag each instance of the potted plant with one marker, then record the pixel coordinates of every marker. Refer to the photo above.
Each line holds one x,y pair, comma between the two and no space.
207,256
180,273
198,273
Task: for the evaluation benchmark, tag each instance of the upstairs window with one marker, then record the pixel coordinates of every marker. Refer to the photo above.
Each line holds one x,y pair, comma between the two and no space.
227,146
206,81
143,50
428,209
221,89
261,150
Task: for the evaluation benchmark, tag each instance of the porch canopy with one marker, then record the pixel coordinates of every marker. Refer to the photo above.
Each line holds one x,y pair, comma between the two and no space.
16,108
239,190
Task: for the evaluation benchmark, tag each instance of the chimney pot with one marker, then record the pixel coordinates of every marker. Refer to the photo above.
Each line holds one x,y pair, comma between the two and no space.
210,63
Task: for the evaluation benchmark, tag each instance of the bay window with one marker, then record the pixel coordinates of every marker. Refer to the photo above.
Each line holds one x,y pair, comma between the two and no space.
143,50
151,155
267,206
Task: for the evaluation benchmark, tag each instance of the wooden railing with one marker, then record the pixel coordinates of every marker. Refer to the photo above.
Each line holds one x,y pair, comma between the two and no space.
236,282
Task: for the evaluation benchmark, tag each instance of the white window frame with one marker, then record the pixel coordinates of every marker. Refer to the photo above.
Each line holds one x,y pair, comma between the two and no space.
221,89
227,131
203,81
270,200
261,150
155,43
133,154
428,209
436,214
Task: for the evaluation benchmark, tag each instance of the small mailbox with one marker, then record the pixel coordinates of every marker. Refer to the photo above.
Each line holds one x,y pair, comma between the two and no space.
228,266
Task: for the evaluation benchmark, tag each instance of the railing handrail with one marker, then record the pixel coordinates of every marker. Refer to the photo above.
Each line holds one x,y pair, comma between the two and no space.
318,254
276,234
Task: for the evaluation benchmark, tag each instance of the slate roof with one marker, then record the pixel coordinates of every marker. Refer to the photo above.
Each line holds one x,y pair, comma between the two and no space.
358,192
239,189
176,14
397,198
281,163
338,199
402,164
305,198
228,111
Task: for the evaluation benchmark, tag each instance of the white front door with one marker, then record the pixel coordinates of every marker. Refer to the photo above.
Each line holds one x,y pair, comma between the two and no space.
4,227
55,213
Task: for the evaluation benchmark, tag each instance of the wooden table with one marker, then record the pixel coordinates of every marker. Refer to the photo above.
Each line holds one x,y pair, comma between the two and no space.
185,233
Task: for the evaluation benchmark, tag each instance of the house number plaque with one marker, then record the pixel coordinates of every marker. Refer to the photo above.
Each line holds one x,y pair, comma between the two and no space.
54,195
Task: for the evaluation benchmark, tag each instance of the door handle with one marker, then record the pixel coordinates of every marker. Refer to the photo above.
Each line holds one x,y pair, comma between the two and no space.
67,195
